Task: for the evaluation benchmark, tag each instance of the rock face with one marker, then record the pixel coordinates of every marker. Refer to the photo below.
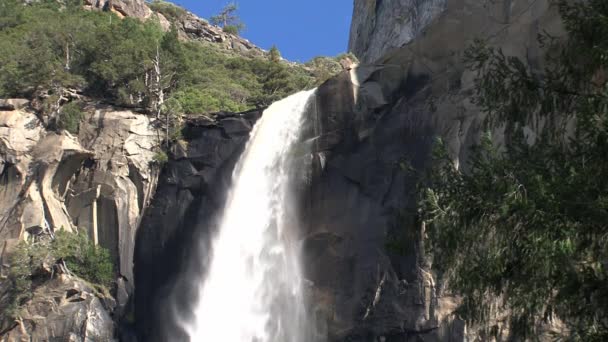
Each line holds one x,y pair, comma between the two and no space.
379,26
36,169
189,25
372,131
124,8
371,125
194,28
374,125
362,289
99,183
63,309
117,183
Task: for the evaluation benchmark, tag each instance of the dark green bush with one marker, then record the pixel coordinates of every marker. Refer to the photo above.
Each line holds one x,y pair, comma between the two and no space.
83,258
233,29
70,116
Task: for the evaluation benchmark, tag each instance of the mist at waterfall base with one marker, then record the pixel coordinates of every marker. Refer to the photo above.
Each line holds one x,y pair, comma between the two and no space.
252,290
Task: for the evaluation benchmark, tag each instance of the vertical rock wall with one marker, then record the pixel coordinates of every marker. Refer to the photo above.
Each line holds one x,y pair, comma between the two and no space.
379,26
98,183
370,275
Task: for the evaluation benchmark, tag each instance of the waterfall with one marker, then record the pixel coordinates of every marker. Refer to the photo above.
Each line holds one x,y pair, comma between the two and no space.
253,291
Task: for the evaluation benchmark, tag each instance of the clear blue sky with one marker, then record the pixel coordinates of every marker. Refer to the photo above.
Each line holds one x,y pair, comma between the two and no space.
300,29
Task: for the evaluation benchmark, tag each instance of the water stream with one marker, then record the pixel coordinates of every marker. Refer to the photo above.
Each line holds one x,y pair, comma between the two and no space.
253,290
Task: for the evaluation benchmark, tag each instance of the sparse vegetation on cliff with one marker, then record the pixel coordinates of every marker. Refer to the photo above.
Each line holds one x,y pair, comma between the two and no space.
169,10
323,68
34,262
525,225
228,19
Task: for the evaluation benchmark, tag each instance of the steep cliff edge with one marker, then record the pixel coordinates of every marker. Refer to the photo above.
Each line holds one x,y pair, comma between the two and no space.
100,181
373,130
379,26
363,184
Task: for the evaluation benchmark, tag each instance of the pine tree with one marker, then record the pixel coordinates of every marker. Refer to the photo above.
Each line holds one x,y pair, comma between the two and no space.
228,19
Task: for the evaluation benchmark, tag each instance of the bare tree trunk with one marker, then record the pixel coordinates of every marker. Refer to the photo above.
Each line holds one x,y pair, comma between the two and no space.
67,56
157,88
167,129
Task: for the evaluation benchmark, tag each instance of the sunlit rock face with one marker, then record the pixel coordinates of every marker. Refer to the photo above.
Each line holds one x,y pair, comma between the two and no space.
62,309
379,26
98,183
123,8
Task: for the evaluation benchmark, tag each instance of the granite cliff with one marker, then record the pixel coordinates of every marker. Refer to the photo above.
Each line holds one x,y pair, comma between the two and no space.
367,124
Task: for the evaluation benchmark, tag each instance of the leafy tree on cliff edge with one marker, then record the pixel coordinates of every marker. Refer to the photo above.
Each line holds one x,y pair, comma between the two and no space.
228,19
527,225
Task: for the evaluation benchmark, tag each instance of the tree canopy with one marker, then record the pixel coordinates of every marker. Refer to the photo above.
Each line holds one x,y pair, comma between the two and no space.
49,48
526,225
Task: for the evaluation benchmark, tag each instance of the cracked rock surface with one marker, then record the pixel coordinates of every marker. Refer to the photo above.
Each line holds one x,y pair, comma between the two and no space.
63,309
99,181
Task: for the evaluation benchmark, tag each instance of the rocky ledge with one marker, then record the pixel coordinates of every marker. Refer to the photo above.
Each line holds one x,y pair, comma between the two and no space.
189,25
63,309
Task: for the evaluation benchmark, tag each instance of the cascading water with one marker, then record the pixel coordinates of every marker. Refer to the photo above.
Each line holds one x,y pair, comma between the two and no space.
253,291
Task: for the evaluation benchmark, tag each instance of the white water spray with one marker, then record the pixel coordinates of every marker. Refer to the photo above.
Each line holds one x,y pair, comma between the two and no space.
253,289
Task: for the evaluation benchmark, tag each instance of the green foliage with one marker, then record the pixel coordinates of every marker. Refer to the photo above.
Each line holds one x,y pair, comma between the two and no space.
323,68
11,13
161,157
81,257
233,29
70,116
199,101
47,49
526,223
123,68
274,54
172,110
228,19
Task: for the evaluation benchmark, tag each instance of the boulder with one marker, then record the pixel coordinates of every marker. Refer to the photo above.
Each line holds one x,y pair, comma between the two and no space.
124,8
162,20
63,309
